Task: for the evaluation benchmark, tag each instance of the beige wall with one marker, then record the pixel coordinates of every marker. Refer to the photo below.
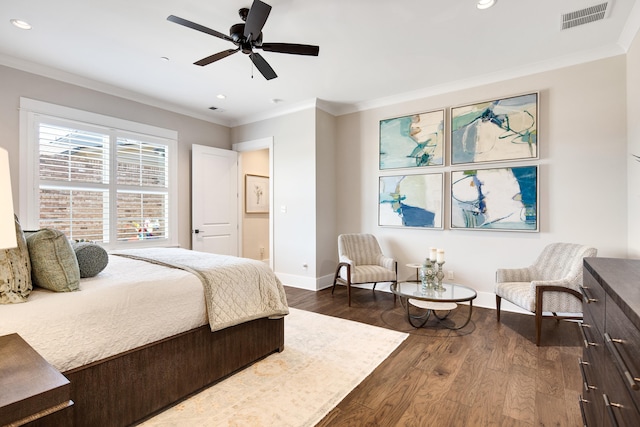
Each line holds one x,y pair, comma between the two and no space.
326,192
305,186
326,169
15,84
583,161
633,134
294,192
255,227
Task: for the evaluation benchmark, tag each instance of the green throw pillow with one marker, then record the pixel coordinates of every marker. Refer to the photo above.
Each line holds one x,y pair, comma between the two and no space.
92,258
15,271
53,262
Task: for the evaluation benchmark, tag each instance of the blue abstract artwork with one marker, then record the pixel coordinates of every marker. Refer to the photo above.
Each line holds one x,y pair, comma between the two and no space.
503,129
412,141
495,199
411,201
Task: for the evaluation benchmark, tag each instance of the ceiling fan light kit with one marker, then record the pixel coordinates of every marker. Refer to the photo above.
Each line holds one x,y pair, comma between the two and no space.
247,36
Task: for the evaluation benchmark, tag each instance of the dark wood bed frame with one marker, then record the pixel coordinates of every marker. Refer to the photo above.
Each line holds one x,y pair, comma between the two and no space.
128,388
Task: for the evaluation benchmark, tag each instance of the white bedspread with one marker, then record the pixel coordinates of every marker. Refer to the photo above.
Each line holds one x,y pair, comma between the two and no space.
129,304
236,290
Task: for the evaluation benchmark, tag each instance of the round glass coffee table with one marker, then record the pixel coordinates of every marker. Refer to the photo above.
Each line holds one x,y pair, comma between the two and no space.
432,300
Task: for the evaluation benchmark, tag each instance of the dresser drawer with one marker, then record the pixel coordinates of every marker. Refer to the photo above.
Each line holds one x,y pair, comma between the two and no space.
593,300
592,336
618,407
622,343
591,403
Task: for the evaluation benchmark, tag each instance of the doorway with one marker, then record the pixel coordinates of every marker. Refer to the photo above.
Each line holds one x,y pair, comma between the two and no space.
255,160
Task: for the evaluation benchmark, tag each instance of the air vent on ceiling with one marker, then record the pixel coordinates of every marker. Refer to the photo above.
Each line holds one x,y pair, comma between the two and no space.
586,15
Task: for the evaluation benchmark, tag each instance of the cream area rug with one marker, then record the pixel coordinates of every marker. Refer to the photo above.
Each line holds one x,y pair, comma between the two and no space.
323,360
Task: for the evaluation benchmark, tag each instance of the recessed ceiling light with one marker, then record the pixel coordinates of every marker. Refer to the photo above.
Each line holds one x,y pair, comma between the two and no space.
485,4
221,96
23,25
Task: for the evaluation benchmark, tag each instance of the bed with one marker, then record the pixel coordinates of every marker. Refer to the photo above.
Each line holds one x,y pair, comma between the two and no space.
142,335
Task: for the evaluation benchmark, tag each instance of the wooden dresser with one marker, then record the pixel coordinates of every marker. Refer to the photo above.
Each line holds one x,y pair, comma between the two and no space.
610,364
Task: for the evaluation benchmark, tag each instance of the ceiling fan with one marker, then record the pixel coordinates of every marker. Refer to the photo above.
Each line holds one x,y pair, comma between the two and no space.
247,36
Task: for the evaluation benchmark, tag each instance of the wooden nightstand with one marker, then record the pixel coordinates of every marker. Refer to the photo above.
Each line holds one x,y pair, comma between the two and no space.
32,392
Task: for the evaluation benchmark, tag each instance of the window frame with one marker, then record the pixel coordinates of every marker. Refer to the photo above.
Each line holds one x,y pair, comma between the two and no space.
32,112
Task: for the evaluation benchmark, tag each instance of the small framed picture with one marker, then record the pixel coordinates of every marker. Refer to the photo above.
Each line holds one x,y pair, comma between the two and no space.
256,194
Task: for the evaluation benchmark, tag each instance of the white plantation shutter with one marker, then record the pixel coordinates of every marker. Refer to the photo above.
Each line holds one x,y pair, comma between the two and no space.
103,184
74,181
142,177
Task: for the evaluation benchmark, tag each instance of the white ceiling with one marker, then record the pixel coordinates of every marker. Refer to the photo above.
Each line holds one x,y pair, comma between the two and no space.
372,52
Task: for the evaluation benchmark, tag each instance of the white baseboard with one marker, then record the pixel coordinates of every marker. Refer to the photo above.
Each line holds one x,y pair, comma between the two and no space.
300,282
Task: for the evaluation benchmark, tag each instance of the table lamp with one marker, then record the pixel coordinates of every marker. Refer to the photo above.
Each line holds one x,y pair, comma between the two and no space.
7,224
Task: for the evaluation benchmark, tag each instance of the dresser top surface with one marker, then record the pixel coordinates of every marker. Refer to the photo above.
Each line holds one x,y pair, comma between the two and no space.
620,279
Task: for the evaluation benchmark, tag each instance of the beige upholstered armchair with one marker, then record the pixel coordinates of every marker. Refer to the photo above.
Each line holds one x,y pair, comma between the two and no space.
550,285
362,261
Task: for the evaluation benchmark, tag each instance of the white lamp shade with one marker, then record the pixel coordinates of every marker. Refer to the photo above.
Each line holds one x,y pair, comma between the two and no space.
7,225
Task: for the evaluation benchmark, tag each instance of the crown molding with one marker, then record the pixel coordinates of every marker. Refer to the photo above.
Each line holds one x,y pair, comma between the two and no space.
77,80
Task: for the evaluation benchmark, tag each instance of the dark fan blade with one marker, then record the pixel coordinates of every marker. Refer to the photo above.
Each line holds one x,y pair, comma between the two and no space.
215,57
256,19
198,27
296,49
263,66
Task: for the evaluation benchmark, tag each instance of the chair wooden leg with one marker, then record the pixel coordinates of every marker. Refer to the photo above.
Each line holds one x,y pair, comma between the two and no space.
498,301
335,278
538,313
538,327
349,292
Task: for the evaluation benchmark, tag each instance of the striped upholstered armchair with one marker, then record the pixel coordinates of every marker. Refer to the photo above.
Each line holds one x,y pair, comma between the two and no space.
362,261
550,285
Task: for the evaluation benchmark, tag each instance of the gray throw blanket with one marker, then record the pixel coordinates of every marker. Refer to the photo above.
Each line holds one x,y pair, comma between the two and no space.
237,290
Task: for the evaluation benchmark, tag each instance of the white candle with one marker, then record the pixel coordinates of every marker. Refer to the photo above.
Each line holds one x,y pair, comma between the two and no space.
432,254
440,257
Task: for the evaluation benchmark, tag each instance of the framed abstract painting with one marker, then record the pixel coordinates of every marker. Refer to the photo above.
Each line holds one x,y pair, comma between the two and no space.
412,141
498,130
411,201
495,199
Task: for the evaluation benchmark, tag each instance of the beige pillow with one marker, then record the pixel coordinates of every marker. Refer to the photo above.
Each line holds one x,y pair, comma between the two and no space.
15,271
53,262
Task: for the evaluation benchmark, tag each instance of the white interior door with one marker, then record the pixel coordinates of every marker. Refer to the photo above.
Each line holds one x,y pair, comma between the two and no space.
214,200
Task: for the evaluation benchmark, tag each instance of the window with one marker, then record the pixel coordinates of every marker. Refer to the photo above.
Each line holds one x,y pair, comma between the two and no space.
100,179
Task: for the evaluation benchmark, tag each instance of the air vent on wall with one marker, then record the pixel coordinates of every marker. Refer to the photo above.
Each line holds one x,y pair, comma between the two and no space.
586,15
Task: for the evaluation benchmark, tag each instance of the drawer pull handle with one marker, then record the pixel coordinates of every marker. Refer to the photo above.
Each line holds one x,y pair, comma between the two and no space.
586,298
587,343
622,366
610,406
586,385
582,402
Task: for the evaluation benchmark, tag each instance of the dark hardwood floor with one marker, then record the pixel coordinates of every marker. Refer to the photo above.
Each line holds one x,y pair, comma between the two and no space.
486,374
